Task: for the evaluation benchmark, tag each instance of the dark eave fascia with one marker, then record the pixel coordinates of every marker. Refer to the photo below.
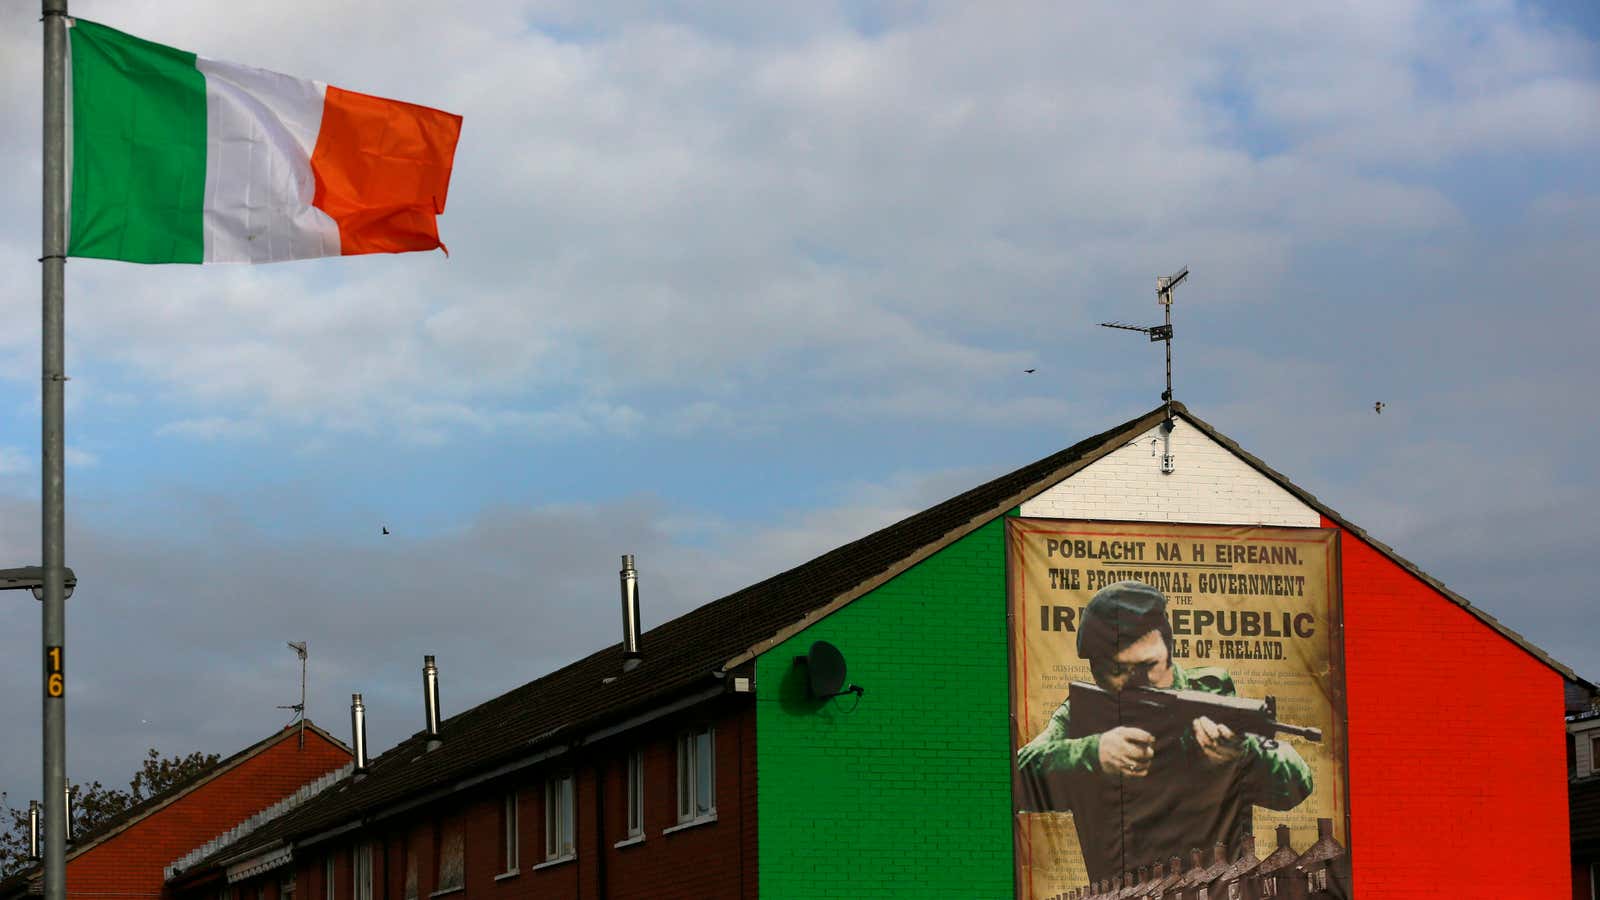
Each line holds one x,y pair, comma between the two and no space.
548,746
525,761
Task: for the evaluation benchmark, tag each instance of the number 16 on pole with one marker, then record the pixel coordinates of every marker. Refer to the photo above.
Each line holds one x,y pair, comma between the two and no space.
55,672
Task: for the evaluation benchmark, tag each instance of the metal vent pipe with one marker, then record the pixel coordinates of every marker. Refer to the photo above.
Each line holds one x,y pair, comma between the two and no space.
630,613
430,694
358,731
33,829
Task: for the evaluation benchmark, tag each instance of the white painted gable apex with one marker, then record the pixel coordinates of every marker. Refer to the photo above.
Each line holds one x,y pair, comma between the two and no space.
1209,485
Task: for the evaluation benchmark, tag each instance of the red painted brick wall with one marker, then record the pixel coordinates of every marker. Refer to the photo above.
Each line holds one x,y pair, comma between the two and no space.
130,863
1458,781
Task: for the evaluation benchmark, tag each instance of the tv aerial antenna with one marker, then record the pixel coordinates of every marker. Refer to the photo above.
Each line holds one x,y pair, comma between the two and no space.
1163,333
299,647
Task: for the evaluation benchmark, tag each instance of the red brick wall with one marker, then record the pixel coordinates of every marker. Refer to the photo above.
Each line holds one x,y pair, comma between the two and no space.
130,863
711,861
1457,747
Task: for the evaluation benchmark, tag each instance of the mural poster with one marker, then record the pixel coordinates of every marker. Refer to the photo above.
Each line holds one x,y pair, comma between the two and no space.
1177,710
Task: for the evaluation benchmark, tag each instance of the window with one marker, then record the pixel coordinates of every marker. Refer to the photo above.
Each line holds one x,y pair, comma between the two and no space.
361,872
636,794
558,817
1317,880
286,885
451,858
508,833
1269,886
328,884
408,854
697,796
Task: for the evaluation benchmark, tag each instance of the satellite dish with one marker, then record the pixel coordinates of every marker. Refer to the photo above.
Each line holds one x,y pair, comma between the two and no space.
825,670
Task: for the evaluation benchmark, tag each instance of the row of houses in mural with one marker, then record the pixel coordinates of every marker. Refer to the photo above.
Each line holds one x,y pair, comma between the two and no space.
1319,871
700,760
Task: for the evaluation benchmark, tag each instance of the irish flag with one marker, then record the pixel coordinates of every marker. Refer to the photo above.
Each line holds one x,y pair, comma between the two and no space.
176,158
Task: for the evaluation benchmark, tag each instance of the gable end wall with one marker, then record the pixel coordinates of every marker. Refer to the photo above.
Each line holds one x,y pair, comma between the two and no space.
1209,485
1458,781
130,863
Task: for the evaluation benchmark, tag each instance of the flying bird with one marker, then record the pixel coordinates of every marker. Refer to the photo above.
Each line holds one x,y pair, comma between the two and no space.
1030,371
1378,407
385,529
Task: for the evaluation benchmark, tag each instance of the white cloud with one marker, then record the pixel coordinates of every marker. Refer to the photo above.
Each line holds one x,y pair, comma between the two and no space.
687,205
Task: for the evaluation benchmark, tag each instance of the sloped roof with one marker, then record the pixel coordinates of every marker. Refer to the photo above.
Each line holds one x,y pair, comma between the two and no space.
693,651
686,653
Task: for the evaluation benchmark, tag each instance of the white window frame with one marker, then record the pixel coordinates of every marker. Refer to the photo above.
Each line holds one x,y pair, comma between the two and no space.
508,832
330,887
560,842
697,775
361,872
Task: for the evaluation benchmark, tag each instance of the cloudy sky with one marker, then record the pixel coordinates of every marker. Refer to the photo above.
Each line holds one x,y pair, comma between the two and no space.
731,284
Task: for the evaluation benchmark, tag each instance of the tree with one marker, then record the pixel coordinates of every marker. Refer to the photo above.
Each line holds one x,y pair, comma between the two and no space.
93,804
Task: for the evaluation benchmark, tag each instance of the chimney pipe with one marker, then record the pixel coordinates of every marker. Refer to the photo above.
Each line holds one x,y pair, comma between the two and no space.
430,699
33,829
358,731
1283,836
1324,829
631,657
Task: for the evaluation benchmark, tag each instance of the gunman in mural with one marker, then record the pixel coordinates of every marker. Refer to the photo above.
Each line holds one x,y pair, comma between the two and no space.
1149,780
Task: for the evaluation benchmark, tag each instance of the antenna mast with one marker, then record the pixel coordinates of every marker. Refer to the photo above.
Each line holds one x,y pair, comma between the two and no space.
299,647
1163,333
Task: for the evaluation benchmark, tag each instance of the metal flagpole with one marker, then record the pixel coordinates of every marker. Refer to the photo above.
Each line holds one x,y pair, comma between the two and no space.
52,428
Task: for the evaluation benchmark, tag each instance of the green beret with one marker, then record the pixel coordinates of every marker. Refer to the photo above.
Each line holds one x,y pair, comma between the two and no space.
1117,615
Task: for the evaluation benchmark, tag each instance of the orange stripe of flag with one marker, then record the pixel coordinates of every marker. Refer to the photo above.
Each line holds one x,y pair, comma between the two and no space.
382,170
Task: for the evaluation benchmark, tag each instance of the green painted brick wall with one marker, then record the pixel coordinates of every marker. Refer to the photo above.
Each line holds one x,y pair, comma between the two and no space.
909,793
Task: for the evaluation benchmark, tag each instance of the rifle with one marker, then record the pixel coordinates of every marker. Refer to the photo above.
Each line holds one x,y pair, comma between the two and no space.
1168,714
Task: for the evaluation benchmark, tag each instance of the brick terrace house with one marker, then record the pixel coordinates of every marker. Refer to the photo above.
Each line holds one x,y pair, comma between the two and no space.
125,857
704,772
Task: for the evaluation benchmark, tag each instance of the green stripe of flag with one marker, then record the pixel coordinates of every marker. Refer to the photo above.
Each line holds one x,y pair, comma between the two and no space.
138,149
